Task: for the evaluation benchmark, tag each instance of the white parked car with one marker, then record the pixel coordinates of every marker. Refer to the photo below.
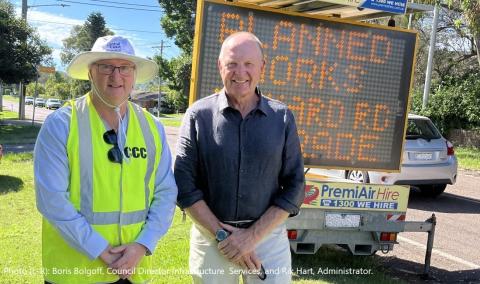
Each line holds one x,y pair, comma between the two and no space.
40,102
29,100
53,104
428,163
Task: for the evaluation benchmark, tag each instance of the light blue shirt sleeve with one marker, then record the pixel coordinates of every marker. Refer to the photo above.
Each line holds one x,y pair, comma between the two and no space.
51,172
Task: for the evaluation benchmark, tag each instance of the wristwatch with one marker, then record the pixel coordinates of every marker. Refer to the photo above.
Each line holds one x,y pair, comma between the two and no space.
221,234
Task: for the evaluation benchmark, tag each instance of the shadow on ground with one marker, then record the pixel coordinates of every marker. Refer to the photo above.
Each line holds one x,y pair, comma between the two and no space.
412,272
10,184
446,203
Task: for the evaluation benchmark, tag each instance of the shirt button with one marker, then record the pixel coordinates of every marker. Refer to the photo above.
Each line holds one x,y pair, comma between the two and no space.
242,171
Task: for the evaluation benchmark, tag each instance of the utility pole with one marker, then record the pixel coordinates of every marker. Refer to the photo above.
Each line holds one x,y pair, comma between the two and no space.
410,19
431,51
159,99
22,86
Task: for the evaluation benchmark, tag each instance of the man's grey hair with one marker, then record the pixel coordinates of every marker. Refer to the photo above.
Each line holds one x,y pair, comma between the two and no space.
234,35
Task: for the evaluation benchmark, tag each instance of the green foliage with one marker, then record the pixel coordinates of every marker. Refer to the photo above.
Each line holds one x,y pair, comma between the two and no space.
176,73
79,88
83,37
468,158
176,101
456,105
469,14
21,48
31,89
178,22
57,86
454,52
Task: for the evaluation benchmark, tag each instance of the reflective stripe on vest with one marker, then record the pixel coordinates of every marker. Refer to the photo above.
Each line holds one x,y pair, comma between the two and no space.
86,170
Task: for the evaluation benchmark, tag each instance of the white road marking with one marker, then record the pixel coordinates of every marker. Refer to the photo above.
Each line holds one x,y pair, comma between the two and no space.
441,253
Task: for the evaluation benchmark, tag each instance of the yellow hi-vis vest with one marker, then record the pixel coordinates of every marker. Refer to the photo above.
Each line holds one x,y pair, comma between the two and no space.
114,198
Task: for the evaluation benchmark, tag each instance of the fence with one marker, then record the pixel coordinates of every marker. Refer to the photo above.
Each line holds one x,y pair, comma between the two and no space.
466,138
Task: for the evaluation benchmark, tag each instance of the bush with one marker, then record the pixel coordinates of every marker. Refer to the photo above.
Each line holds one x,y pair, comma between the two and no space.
176,101
455,106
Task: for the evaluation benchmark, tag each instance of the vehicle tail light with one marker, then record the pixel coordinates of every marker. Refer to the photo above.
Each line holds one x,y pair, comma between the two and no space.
450,151
292,234
388,237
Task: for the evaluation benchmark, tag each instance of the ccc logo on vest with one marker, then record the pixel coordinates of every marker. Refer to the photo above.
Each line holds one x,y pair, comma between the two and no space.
135,152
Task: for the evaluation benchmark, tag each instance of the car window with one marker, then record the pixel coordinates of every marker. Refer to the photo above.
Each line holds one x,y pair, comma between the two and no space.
422,128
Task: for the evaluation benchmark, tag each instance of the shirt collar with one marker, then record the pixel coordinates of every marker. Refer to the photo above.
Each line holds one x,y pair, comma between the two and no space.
262,104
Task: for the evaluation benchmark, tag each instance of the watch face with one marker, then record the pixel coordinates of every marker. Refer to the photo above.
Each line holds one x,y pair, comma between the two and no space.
221,235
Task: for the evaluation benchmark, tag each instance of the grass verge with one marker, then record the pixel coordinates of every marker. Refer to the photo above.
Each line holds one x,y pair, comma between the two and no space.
468,158
174,120
18,134
6,114
10,99
20,223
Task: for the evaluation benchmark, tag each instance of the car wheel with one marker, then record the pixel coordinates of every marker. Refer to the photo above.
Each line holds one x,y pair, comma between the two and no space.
358,176
432,190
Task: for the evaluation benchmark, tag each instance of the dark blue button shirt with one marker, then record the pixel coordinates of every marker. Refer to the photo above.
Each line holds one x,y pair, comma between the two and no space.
239,166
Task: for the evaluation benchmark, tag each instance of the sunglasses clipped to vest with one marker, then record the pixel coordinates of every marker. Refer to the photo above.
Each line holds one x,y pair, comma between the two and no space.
114,154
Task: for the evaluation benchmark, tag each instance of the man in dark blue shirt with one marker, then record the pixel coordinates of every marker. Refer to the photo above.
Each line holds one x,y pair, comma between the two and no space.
239,171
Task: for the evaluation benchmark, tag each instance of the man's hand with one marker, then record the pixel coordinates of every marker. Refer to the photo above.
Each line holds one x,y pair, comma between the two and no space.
108,257
240,243
131,254
250,262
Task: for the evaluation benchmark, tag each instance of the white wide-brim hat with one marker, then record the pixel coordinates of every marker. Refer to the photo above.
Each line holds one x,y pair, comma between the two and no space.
111,47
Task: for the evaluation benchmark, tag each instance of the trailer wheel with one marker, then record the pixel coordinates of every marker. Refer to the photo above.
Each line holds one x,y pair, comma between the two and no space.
358,176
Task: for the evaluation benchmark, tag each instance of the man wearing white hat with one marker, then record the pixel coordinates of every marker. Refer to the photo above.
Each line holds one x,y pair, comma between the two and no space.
103,177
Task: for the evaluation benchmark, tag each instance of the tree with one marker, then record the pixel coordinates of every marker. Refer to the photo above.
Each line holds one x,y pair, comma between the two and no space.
58,86
470,11
453,106
454,56
176,74
178,22
472,14
21,48
78,88
83,37
31,89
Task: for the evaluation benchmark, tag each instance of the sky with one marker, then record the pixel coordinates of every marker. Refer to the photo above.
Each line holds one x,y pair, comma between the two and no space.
142,27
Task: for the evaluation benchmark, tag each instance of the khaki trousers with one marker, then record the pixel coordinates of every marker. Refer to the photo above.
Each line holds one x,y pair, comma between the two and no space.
209,266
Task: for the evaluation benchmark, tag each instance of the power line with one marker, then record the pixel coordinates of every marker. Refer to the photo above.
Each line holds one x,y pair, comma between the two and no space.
110,6
119,29
124,3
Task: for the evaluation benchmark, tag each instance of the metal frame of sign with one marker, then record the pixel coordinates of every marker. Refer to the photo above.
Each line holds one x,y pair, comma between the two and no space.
382,41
